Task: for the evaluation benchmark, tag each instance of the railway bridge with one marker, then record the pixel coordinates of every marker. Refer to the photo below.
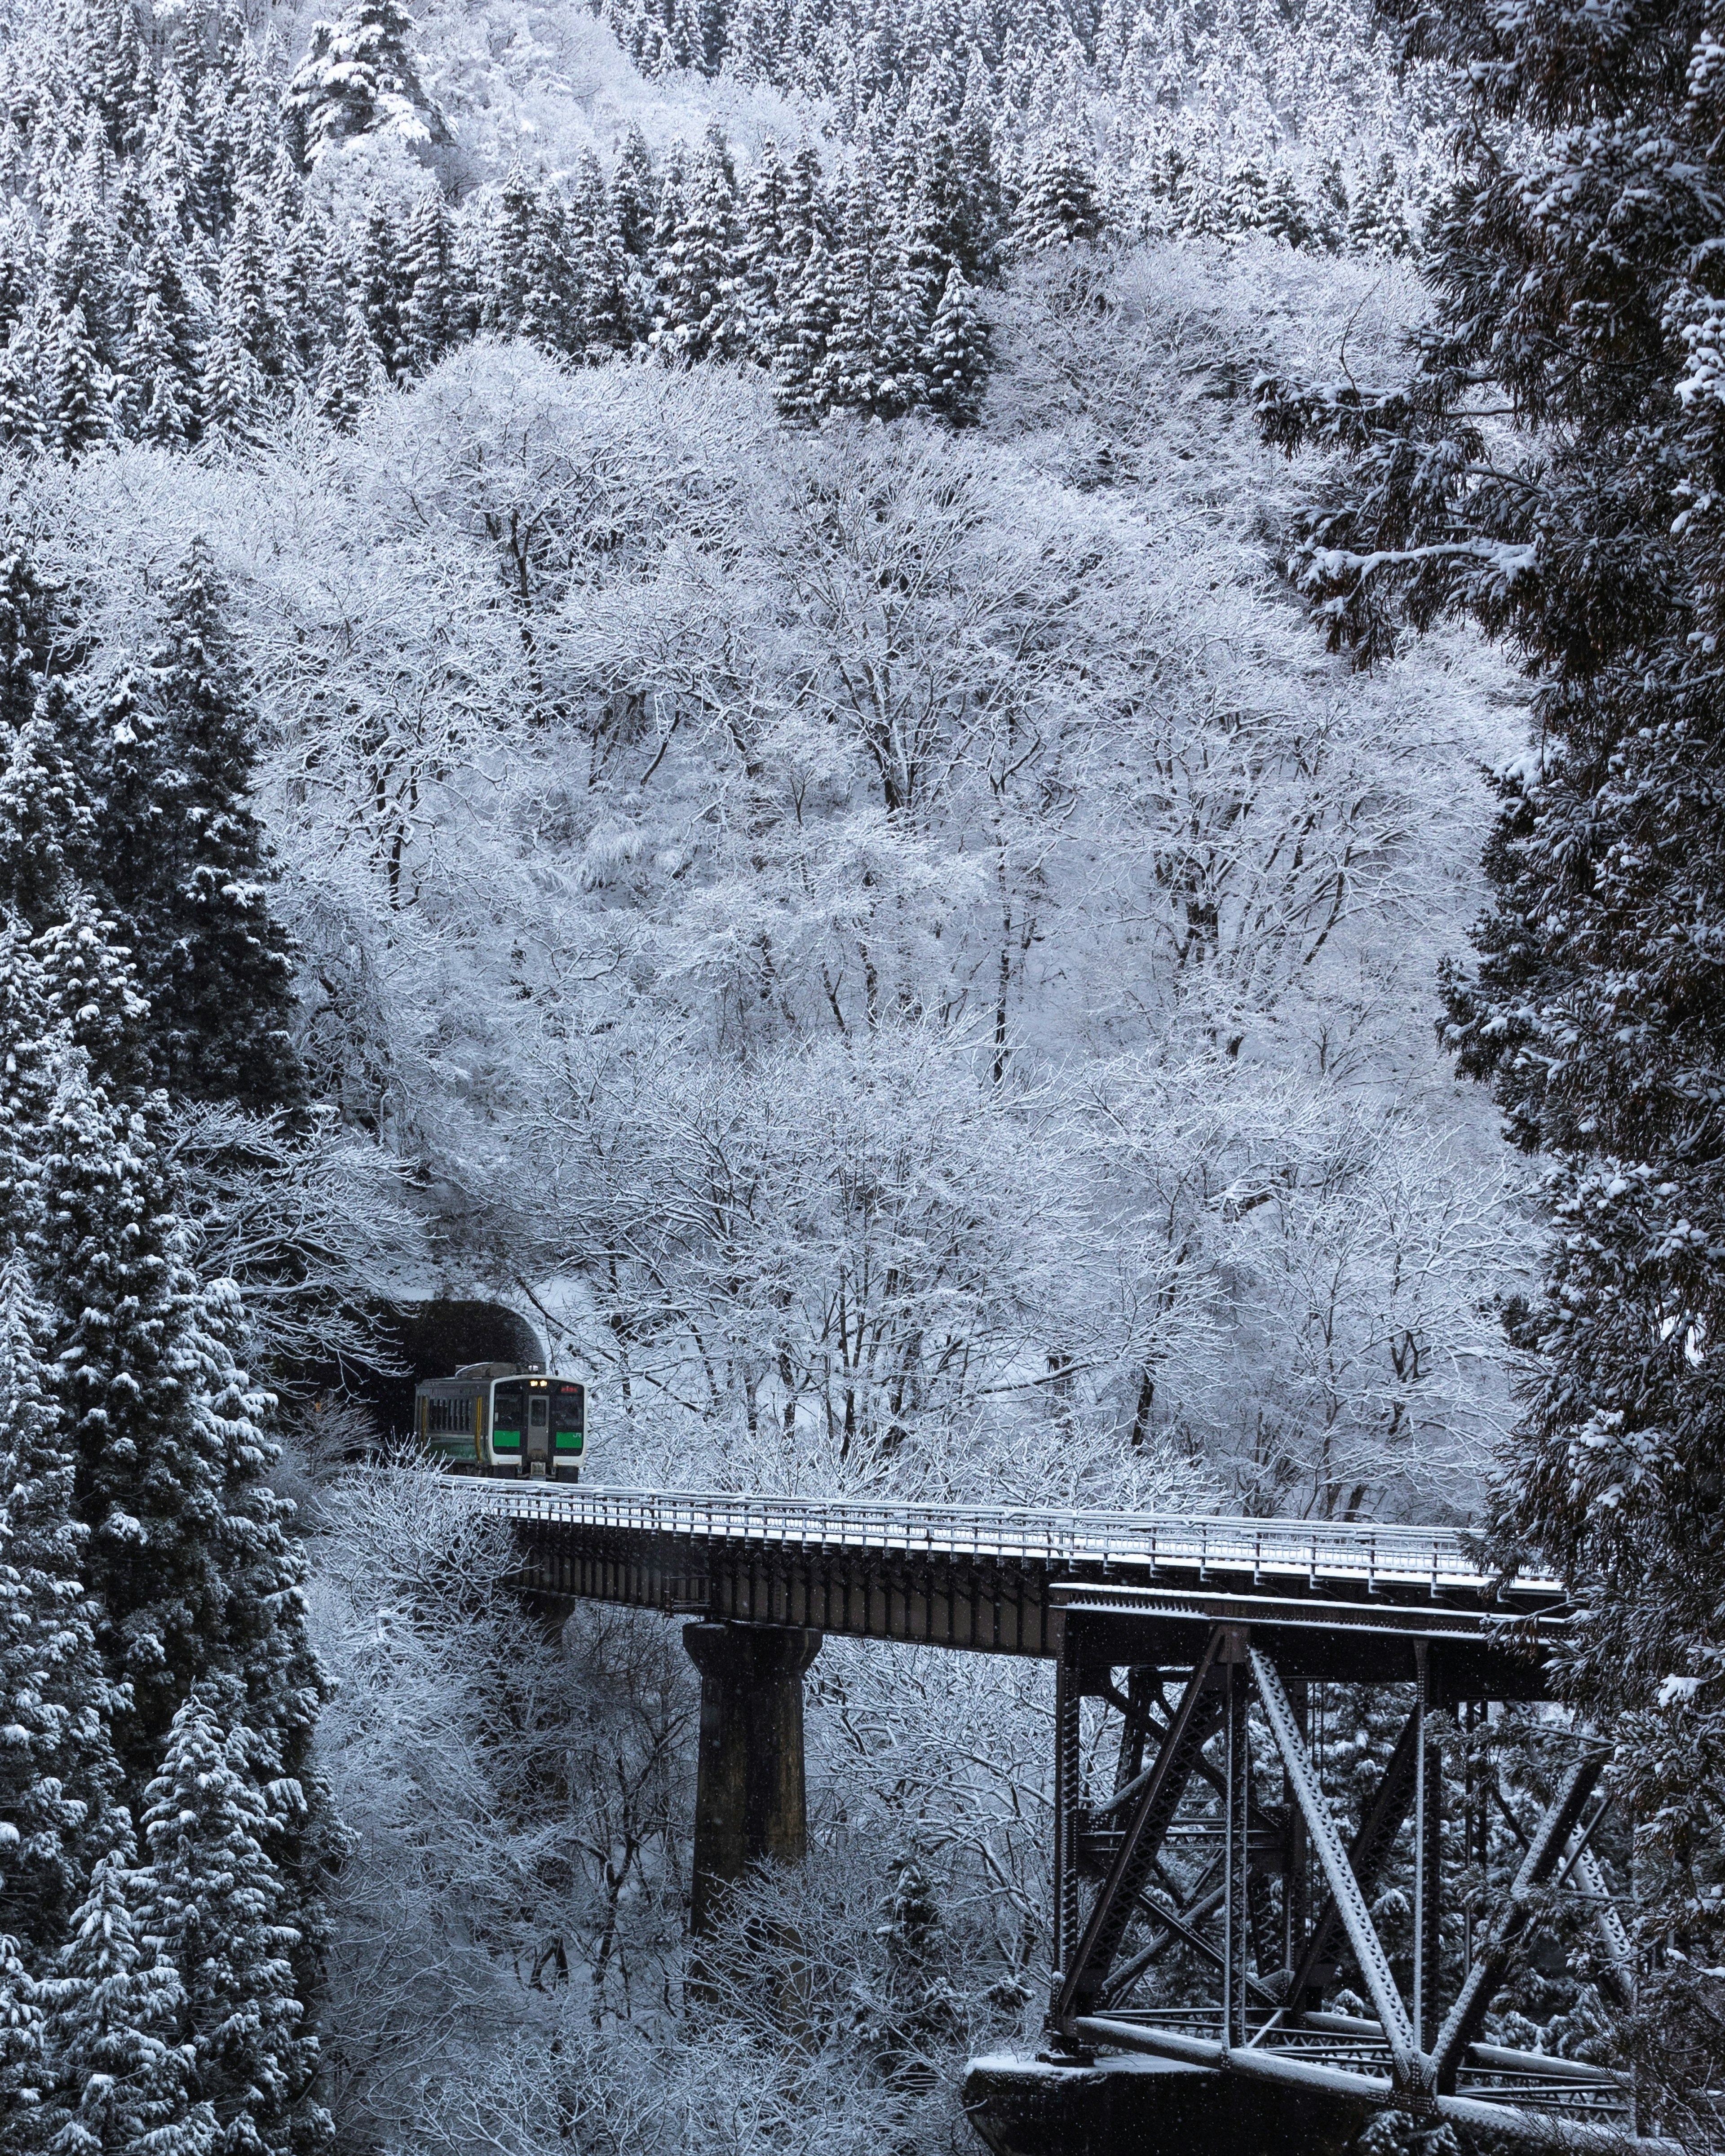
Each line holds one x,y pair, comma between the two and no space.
1182,1630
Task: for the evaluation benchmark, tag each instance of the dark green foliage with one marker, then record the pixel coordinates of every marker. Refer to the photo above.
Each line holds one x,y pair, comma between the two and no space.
184,856
1552,469
118,2074
213,1898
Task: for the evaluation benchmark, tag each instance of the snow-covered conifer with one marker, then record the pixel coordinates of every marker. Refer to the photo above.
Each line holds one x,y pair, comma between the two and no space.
697,268
799,358
160,388
118,2069
353,373
634,194
432,317
75,408
211,1897
359,78
185,861
1059,206
955,359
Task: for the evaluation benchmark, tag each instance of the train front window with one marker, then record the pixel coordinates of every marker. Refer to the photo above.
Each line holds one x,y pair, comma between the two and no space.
537,1408
571,1421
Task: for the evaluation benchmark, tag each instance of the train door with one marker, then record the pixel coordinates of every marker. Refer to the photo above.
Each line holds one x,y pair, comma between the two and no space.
509,1424
537,1433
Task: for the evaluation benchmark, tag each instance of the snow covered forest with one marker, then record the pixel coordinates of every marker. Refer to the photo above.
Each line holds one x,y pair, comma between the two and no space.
881,707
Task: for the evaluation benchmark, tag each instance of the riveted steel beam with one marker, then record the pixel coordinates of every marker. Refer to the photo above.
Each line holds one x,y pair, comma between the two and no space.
1412,2071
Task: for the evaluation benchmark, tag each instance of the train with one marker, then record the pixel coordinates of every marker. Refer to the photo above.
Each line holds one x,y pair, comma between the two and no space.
507,1418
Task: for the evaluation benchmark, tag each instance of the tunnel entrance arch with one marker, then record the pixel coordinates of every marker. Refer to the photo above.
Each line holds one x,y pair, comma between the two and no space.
431,1339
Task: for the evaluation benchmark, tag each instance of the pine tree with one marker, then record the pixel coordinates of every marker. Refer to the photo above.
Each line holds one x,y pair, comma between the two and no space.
598,264
76,417
186,864
247,318
159,390
79,275
359,78
119,2070
381,288
1059,206
634,195
1378,221
764,256
509,263
431,322
697,268
800,361
20,398
807,216
1284,216
22,2068
57,1774
866,343
212,1897
353,373
955,360
48,826
1573,274
550,311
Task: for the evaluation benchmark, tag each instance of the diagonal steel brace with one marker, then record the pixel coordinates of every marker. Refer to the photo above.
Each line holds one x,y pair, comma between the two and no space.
1412,2071
1160,1789
1551,1837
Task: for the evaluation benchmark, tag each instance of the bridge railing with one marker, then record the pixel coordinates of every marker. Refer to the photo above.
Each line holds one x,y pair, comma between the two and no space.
1297,1552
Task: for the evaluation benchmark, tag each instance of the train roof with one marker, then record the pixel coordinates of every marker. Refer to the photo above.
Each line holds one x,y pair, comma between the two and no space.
472,1375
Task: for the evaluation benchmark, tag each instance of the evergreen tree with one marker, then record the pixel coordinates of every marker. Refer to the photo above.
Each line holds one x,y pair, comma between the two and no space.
58,1774
431,320
807,214
1575,270
186,863
1378,221
22,2068
246,316
698,316
118,2068
634,195
525,287
800,361
1284,215
20,398
866,346
1059,206
598,264
764,255
381,288
955,360
353,373
212,1897
159,396
359,78
75,418
48,829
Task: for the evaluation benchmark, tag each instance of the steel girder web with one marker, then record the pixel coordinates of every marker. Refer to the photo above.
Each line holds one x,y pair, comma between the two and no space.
1545,1851
1421,2080
1153,1798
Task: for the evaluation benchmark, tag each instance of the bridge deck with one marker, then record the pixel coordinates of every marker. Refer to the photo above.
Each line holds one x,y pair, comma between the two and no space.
997,1580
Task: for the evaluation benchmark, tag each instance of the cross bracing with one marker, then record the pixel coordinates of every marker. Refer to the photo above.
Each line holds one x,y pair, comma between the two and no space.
1201,1634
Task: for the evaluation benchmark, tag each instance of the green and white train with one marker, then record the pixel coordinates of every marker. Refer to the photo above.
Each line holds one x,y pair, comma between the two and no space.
502,1418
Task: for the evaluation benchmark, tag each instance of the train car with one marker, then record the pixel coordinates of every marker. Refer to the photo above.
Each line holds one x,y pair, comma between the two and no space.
502,1418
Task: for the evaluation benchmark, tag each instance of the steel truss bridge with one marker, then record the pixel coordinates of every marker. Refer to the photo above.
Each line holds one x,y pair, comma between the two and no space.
1178,1632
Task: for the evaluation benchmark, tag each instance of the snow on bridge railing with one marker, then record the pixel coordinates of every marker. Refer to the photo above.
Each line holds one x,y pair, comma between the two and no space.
1365,1554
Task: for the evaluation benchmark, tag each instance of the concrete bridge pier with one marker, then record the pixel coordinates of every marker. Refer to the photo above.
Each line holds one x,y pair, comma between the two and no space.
751,1798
